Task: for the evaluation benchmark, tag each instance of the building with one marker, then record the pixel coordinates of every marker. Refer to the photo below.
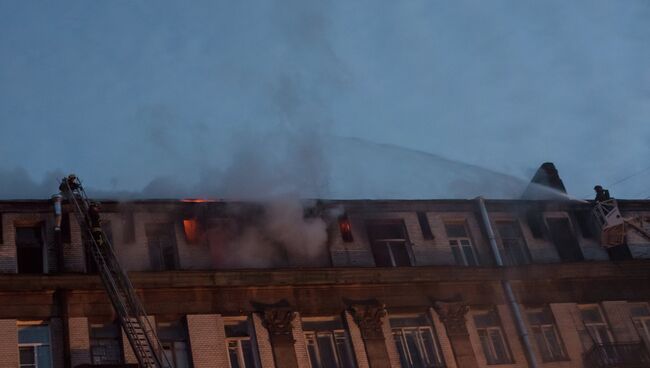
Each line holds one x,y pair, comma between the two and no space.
394,284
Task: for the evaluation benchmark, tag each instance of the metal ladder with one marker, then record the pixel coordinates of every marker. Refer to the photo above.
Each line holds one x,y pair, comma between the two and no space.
613,225
137,327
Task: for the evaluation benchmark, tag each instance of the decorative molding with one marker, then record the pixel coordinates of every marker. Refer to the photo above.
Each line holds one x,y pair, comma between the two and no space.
368,316
452,315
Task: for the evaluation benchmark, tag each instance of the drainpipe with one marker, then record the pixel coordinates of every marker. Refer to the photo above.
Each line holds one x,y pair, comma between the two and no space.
507,288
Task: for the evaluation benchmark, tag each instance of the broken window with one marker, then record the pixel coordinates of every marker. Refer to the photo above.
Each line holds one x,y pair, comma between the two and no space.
240,345
535,223
564,239
493,342
515,251
66,234
161,241
173,338
328,344
416,341
427,234
105,344
586,224
29,249
389,243
546,336
461,244
192,229
34,346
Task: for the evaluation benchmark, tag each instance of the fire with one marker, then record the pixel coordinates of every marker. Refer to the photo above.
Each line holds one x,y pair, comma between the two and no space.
197,200
192,230
346,229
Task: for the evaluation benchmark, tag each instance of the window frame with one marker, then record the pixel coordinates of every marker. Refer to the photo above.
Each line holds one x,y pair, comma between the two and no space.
643,322
563,354
491,356
458,240
387,243
334,335
592,327
520,242
399,333
238,341
34,345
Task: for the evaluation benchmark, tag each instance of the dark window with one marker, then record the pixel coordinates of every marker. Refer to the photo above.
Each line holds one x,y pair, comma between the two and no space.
173,337
105,344
66,235
161,240
564,239
240,345
29,249
1,232
586,224
535,223
346,228
389,244
424,226
416,342
328,344
515,251
128,227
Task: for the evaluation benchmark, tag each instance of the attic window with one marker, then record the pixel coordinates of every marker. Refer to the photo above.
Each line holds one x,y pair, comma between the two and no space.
128,227
535,223
65,229
346,228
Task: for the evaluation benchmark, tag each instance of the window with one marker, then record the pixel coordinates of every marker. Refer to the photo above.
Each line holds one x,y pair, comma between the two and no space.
493,342
346,228
640,313
128,227
29,249
161,240
66,234
535,223
427,234
564,239
595,324
389,243
173,337
34,346
105,344
239,343
461,244
416,342
328,344
545,334
515,251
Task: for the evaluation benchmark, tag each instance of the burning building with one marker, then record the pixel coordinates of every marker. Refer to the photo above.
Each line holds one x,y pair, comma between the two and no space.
535,282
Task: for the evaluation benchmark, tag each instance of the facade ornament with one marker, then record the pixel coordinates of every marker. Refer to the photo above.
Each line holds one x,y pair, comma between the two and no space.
278,318
368,316
452,315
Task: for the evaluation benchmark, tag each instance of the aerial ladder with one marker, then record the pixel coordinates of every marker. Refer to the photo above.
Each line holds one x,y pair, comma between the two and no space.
613,225
132,317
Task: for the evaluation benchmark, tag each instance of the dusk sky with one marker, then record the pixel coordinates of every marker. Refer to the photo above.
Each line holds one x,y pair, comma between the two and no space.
342,99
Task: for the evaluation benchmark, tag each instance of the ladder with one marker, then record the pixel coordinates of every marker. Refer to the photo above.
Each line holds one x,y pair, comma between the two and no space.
133,319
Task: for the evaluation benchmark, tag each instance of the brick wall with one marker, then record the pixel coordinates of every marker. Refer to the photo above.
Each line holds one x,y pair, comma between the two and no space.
300,343
391,348
567,322
445,344
207,340
79,341
356,341
9,346
263,340
73,254
618,316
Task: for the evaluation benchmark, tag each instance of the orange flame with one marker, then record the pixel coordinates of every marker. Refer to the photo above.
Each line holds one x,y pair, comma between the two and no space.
192,230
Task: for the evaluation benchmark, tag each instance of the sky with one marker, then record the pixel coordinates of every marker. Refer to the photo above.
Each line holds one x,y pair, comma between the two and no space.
340,99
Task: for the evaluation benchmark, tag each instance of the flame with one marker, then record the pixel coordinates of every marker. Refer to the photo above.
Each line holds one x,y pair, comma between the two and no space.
192,230
197,200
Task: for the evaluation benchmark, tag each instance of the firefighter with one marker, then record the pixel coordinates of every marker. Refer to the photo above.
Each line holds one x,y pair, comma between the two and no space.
601,194
95,223
71,181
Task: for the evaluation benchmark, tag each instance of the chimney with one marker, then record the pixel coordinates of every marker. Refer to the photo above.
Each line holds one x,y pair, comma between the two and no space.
545,177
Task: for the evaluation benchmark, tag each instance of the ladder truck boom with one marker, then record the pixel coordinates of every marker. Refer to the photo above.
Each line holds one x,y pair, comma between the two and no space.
132,317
